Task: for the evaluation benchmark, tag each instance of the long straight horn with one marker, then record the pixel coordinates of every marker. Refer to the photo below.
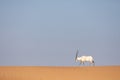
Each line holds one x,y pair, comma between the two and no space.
76,55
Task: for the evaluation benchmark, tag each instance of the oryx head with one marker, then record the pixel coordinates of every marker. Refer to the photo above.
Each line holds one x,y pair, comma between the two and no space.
76,56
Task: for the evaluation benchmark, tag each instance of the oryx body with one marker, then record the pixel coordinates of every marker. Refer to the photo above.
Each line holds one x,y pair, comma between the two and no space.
83,59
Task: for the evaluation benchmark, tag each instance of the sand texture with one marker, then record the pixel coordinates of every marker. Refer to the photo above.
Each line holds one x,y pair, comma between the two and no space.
59,73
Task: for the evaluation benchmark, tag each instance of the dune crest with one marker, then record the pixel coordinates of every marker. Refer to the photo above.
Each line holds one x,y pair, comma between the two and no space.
59,73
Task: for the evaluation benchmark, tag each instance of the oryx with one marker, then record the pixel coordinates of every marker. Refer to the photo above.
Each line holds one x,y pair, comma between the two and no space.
83,59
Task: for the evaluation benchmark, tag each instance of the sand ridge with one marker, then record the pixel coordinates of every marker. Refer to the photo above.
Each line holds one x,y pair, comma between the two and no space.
59,73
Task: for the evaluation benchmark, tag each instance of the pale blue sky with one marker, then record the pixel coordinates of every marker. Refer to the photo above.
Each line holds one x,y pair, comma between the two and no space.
48,32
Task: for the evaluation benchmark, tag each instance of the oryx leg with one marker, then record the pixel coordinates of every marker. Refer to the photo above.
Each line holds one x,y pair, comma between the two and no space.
91,63
83,63
80,63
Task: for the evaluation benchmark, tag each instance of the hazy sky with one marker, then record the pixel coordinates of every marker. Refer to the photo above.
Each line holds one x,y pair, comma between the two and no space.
48,32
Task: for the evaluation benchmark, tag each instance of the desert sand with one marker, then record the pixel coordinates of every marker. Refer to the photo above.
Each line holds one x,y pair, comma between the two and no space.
59,73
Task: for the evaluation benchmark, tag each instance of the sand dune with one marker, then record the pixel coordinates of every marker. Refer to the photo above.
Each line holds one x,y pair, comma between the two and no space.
59,73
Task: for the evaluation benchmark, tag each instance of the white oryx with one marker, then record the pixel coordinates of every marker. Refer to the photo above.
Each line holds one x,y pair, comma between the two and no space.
83,59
